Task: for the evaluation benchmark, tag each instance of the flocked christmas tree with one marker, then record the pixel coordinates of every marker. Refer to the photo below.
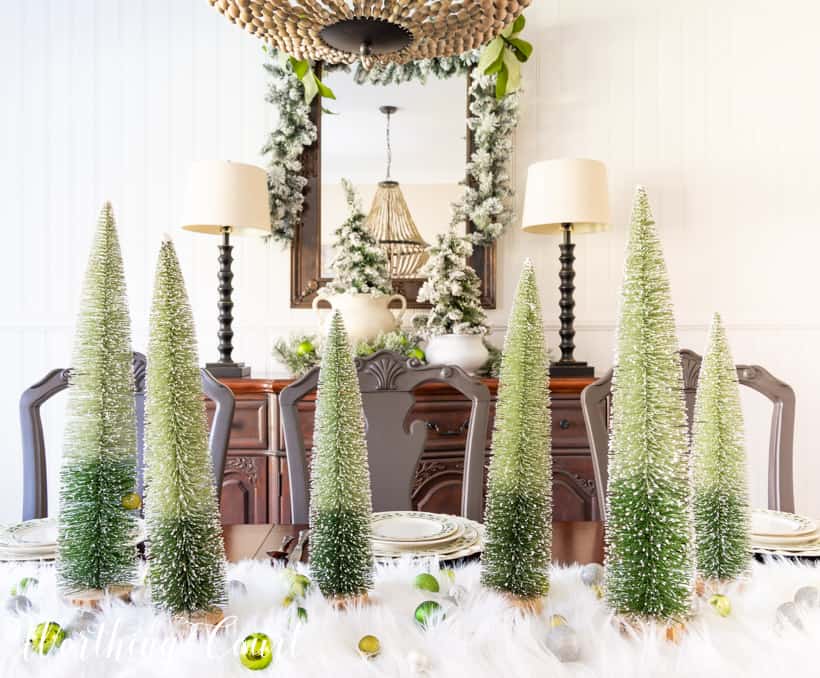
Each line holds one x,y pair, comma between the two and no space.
186,556
518,514
722,519
359,264
452,288
96,532
650,549
341,558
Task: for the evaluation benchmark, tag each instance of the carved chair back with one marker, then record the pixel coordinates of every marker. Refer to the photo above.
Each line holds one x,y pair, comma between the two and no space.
35,483
387,381
596,403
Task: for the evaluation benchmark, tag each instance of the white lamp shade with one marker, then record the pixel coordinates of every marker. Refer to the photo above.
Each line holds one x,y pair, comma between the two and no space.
224,194
566,191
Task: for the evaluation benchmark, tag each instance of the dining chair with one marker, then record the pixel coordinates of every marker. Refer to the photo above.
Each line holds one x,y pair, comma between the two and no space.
387,381
596,403
35,483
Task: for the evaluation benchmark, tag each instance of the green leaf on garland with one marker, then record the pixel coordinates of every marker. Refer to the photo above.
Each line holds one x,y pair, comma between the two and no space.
513,69
300,68
494,67
521,48
501,82
490,54
519,24
324,90
311,88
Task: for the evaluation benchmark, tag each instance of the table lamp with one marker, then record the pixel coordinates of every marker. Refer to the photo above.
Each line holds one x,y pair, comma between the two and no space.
566,196
225,198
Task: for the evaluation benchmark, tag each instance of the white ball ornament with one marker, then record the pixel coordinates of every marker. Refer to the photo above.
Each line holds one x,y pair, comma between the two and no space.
562,641
18,604
787,614
807,596
419,664
457,594
592,574
237,588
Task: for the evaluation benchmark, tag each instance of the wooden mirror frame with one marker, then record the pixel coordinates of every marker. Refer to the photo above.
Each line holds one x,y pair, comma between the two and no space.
306,249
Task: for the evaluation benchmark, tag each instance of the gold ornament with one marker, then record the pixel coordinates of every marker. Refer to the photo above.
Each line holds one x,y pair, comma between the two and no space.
558,620
256,651
131,501
369,647
721,604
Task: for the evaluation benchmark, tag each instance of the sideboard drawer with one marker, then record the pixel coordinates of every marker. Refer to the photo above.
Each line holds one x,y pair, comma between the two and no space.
568,428
249,429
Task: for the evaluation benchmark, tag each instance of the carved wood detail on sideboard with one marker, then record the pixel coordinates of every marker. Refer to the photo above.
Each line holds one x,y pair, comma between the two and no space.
255,488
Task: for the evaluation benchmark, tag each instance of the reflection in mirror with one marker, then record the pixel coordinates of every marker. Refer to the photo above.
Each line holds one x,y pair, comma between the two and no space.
427,149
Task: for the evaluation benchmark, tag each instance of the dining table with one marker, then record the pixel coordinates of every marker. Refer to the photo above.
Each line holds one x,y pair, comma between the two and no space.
572,541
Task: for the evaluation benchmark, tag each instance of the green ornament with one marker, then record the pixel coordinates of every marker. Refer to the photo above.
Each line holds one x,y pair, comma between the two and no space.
24,586
416,353
131,501
305,348
299,584
369,646
301,614
427,582
47,636
256,651
721,604
427,610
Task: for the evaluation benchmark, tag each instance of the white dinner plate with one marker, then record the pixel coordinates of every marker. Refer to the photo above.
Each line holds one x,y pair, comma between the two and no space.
776,524
412,526
38,532
470,543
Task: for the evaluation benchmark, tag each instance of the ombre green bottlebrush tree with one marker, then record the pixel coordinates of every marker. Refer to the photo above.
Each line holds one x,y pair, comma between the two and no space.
186,556
96,533
341,558
649,536
518,514
722,517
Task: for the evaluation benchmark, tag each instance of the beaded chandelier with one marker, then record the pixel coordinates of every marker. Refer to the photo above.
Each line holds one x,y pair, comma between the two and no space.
375,31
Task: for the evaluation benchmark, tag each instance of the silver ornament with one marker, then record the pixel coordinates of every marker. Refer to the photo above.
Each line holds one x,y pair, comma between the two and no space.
237,588
457,594
18,604
787,614
140,595
808,596
419,664
592,574
83,621
562,641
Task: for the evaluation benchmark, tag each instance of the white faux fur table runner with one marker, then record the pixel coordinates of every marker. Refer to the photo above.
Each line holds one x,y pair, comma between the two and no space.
482,637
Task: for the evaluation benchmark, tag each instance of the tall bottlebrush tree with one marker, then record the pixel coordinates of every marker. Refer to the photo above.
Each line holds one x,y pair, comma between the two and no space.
649,538
518,516
341,558
96,533
186,557
722,518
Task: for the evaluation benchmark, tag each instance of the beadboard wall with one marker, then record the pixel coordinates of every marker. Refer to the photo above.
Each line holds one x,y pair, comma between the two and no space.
710,104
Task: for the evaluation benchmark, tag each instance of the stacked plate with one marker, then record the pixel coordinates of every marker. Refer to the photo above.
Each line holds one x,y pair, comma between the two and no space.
37,539
399,534
784,534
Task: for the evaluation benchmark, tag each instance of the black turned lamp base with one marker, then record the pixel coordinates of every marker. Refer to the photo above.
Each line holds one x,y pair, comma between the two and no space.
571,369
228,370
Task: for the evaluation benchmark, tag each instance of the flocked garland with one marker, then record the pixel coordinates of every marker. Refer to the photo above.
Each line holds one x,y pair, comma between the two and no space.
487,196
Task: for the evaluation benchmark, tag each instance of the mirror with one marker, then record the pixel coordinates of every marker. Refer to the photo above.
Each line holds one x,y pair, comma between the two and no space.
430,145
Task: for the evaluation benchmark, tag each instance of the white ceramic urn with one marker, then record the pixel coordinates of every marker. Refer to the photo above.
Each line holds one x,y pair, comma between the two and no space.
465,350
365,315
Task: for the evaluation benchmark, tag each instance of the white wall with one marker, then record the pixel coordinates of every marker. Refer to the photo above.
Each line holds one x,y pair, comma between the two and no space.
712,105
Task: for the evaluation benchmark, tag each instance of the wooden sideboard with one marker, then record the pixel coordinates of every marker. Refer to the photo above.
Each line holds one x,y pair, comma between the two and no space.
255,487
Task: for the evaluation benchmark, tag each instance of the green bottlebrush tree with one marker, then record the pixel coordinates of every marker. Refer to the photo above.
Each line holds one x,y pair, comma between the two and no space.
186,557
518,514
96,533
360,266
722,518
452,288
341,558
650,549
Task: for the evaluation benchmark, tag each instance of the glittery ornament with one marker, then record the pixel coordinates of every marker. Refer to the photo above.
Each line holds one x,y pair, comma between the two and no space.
562,641
47,636
457,594
369,647
518,516
807,596
787,613
426,582
25,585
18,604
428,611
721,604
131,501
592,574
256,651
237,588
650,559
